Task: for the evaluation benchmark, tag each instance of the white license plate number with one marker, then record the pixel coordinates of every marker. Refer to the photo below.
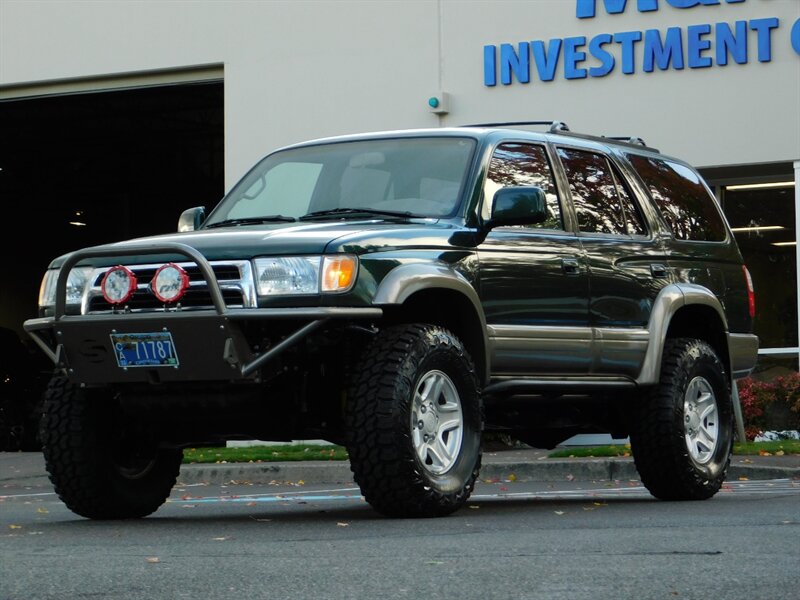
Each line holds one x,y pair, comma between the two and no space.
155,349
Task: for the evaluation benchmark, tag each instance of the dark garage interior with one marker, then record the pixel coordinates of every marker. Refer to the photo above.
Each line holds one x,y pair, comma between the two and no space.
83,169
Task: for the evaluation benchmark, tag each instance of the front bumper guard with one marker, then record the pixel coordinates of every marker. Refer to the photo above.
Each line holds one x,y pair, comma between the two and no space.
210,341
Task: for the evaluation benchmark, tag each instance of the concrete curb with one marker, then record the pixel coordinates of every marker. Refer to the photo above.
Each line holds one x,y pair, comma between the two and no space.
27,469
540,470
306,471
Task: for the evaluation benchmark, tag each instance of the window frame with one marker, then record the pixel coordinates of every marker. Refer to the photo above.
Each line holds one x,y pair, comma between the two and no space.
619,179
620,169
568,223
656,209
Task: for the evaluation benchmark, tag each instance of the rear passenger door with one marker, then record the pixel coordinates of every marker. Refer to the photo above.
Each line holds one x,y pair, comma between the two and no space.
626,261
699,250
533,278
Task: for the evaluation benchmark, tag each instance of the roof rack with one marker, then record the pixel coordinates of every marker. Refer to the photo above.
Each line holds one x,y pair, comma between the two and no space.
555,126
628,140
561,128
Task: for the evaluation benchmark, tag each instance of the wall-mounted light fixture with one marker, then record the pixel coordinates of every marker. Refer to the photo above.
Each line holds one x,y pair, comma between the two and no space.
440,103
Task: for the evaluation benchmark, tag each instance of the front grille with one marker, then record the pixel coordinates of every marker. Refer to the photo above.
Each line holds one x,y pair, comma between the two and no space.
234,278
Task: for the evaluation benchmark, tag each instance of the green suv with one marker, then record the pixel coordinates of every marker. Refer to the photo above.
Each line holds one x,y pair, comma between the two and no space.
402,293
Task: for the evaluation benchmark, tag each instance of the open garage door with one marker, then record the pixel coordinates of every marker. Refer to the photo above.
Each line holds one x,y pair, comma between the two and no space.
89,168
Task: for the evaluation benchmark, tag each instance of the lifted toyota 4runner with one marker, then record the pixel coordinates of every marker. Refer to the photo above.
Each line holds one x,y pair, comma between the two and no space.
401,293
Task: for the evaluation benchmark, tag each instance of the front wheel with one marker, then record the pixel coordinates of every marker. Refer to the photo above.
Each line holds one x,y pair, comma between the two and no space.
97,470
683,432
414,419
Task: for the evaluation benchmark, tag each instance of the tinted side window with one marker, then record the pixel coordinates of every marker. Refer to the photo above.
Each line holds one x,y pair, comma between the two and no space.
634,222
687,207
594,192
522,164
603,202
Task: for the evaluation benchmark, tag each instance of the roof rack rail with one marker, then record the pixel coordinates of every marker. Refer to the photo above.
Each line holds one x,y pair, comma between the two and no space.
555,126
627,139
561,128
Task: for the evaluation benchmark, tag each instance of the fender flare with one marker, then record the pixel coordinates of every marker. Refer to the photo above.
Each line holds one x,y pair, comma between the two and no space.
405,280
668,302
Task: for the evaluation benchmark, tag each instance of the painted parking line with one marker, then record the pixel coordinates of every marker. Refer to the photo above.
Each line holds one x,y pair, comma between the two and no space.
10,496
777,486
757,487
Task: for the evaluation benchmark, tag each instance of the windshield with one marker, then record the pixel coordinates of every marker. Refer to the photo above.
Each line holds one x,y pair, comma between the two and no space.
420,177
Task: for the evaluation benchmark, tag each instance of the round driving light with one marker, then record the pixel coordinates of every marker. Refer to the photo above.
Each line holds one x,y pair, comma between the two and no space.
170,283
118,285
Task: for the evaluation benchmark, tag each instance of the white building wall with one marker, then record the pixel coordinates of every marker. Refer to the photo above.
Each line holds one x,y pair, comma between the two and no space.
298,70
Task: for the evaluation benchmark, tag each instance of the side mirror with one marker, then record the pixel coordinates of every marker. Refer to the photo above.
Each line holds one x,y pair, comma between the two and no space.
524,205
191,218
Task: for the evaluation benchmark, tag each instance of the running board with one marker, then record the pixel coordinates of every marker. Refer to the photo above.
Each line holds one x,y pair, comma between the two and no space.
578,386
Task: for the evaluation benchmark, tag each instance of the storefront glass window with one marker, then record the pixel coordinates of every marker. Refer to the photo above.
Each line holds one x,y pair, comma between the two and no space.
763,221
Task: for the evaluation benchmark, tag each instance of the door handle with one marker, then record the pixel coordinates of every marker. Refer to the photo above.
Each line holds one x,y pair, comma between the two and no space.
570,266
659,270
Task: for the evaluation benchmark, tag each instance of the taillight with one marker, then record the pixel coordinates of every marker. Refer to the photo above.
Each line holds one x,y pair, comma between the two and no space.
751,294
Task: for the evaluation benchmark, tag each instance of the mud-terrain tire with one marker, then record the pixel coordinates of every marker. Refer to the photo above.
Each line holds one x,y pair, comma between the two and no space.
414,420
97,470
683,432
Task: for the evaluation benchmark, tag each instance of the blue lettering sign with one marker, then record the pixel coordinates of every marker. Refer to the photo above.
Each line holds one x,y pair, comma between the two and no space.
730,44
691,3
546,59
573,56
606,58
705,45
587,9
518,64
489,66
662,54
697,44
796,36
628,39
764,28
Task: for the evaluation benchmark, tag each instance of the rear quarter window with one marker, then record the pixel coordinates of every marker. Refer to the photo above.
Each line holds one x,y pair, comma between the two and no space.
688,208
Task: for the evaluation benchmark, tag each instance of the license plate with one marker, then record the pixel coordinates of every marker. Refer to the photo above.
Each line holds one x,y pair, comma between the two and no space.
144,349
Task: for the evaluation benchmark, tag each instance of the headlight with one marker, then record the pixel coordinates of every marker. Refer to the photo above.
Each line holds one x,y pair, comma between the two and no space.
76,284
295,275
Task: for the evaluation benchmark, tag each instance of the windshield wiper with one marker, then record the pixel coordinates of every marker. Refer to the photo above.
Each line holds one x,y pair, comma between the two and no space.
252,220
341,212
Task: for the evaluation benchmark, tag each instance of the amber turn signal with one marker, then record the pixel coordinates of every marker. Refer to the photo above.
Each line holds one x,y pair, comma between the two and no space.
338,273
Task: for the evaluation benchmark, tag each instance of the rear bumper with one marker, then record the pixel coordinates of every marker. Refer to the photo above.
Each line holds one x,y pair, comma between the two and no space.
743,349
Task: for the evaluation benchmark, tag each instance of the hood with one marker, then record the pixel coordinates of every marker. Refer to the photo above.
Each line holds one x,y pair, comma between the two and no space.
288,239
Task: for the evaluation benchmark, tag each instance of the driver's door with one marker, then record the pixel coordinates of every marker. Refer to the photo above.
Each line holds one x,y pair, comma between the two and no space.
534,283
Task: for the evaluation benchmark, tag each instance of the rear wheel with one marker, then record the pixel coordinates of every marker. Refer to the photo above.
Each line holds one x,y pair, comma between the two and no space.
683,434
414,420
100,470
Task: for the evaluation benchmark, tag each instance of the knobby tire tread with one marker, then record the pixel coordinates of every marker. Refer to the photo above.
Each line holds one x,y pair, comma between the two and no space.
78,463
379,446
659,448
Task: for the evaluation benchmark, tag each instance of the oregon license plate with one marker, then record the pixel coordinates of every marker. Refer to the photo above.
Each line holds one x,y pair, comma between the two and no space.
145,349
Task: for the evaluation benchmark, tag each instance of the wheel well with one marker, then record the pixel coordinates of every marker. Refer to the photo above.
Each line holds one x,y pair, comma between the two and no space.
449,309
702,322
